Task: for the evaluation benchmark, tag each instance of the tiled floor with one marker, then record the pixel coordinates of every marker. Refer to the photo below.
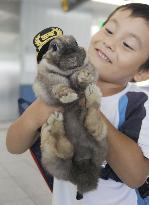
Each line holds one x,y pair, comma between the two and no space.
20,180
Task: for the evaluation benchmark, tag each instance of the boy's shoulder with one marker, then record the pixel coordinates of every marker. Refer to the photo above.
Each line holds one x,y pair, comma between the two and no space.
134,87
135,99
126,101
133,109
136,94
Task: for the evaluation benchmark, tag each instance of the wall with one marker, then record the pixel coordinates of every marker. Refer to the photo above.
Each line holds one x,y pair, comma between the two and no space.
9,59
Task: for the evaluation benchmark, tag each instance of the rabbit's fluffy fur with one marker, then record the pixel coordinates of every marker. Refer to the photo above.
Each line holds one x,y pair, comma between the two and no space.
73,144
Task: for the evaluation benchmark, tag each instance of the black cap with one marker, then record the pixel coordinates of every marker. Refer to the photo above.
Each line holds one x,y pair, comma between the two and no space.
42,39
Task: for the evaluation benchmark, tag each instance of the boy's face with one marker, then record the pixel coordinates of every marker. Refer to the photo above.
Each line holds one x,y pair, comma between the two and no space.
120,47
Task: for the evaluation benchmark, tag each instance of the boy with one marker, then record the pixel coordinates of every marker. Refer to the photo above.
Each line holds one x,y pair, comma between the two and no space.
120,53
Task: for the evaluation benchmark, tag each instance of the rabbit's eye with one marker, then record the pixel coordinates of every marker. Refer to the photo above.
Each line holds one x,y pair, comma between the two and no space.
54,47
76,43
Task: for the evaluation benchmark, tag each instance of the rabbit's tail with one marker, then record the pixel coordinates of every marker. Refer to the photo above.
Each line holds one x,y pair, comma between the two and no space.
85,175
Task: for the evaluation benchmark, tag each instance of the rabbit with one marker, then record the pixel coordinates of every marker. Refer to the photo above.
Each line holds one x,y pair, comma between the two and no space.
71,151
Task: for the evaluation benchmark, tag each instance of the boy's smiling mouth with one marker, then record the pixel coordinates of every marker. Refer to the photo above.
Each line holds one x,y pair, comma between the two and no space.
102,55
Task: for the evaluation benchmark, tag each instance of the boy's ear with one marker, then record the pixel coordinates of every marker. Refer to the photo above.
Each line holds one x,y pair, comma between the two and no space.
141,76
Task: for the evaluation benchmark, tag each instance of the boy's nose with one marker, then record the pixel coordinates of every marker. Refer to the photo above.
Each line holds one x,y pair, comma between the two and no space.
110,44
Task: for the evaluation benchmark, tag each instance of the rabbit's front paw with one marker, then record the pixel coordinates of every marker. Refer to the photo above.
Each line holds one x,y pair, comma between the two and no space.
85,78
65,94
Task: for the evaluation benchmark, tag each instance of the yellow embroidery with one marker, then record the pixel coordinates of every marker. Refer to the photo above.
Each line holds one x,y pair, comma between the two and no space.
41,40
54,32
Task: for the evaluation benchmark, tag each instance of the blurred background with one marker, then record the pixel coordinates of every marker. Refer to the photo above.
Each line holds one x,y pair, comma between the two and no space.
20,20
20,180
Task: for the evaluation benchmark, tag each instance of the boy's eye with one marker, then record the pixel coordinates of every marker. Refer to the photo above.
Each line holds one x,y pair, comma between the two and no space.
127,45
108,31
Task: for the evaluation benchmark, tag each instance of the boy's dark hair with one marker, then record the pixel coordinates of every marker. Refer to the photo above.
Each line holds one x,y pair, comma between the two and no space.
137,10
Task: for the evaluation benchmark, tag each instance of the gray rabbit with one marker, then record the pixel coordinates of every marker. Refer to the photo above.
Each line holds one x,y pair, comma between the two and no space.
73,143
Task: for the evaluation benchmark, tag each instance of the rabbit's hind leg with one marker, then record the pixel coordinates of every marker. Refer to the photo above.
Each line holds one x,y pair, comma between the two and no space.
93,121
53,137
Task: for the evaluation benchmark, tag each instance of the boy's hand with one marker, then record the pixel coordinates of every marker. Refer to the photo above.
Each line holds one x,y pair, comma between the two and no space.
23,132
38,112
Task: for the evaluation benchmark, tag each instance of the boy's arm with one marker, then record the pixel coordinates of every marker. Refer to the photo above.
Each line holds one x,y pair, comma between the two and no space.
22,133
125,157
